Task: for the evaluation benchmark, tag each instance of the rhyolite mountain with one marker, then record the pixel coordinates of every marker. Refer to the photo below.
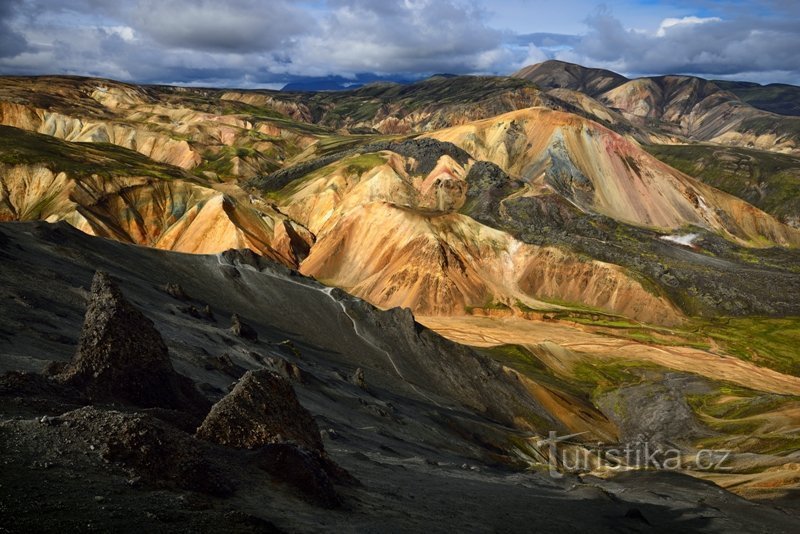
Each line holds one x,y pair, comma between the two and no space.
780,98
684,106
445,271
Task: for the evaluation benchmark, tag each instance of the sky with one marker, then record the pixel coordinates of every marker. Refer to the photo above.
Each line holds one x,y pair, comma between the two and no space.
267,43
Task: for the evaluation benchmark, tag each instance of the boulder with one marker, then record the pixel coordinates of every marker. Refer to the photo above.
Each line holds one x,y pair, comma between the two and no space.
358,379
262,413
175,290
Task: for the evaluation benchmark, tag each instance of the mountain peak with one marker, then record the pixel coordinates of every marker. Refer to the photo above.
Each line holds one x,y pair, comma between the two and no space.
553,74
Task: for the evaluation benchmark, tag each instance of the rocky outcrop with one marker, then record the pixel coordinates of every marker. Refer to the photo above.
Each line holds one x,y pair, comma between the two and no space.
357,379
243,330
263,413
262,409
121,357
159,454
175,291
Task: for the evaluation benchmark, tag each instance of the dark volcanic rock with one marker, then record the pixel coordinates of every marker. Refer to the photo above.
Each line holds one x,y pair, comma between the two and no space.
262,412
122,357
487,185
34,385
285,368
262,409
425,151
242,329
303,469
244,256
176,291
358,379
33,394
156,452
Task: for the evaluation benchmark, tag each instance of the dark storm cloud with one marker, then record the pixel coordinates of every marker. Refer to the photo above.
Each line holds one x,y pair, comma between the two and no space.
254,41
211,25
711,46
12,42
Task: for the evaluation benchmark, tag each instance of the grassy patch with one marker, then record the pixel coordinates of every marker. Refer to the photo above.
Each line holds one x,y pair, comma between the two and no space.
734,402
218,162
516,357
352,165
599,376
775,97
739,414
20,147
528,364
363,163
766,341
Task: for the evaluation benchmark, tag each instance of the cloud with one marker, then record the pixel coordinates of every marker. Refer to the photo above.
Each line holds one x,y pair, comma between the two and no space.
398,37
668,23
710,46
211,25
267,42
12,42
255,41
548,40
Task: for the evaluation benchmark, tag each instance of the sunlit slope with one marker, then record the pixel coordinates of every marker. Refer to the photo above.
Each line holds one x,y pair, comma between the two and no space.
389,231
767,180
603,172
195,129
111,192
686,106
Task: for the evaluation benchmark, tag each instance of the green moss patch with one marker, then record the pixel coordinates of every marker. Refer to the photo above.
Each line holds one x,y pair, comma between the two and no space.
20,147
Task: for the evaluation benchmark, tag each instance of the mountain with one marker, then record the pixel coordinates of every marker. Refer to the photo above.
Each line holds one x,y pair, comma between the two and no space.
778,98
388,229
452,257
685,106
438,419
340,83
444,271
767,180
602,172
112,192
554,74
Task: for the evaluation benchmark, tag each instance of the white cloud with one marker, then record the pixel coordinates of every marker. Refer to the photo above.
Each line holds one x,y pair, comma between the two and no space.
126,33
534,55
668,23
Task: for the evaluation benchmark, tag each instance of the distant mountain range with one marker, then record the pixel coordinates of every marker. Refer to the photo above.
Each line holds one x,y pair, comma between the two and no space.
783,99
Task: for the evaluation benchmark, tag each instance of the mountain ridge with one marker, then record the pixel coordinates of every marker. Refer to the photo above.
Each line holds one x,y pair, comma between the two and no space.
684,105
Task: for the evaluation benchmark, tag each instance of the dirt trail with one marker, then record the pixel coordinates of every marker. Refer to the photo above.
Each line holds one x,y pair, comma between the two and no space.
489,331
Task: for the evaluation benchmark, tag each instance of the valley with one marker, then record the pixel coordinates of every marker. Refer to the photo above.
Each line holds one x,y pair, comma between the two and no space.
445,271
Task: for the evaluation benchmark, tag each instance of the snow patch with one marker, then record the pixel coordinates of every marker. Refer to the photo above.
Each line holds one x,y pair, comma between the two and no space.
686,240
